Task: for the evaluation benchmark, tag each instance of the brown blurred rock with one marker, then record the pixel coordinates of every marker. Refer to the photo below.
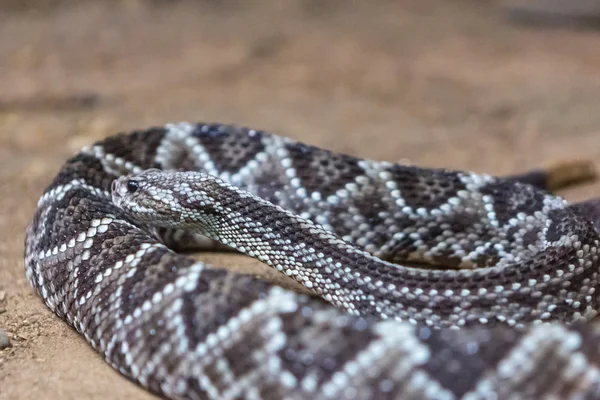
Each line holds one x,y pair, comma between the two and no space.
4,340
557,12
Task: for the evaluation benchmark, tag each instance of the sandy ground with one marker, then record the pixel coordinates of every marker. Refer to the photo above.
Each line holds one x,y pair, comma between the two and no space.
441,83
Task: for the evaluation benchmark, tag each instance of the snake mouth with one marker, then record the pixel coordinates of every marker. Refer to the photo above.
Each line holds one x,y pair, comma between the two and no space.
118,191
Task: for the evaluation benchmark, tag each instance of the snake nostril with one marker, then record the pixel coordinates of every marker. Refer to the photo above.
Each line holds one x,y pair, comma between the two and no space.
113,186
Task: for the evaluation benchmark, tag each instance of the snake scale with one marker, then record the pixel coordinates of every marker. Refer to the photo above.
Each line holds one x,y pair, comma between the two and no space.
426,283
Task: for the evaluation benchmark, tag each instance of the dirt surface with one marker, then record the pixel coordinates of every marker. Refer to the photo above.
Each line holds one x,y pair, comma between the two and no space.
436,82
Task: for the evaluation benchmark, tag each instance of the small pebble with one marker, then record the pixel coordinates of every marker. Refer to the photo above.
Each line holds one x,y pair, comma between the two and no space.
4,340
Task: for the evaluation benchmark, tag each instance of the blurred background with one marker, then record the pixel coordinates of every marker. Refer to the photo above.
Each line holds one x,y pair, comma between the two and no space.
489,86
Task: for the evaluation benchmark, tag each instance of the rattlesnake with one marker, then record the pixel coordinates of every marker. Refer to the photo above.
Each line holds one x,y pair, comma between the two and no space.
506,320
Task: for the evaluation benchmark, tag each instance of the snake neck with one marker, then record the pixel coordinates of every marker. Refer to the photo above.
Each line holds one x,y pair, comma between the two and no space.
324,263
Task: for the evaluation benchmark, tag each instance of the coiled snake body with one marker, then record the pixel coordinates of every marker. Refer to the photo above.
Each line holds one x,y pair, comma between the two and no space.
506,320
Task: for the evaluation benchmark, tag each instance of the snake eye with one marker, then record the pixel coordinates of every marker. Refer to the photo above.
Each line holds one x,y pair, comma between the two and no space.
132,186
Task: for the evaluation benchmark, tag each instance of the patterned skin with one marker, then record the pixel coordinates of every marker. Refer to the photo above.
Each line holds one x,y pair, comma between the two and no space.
523,272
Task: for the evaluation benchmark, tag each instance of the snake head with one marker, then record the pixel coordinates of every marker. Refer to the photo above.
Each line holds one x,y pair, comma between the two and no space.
183,200
134,195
